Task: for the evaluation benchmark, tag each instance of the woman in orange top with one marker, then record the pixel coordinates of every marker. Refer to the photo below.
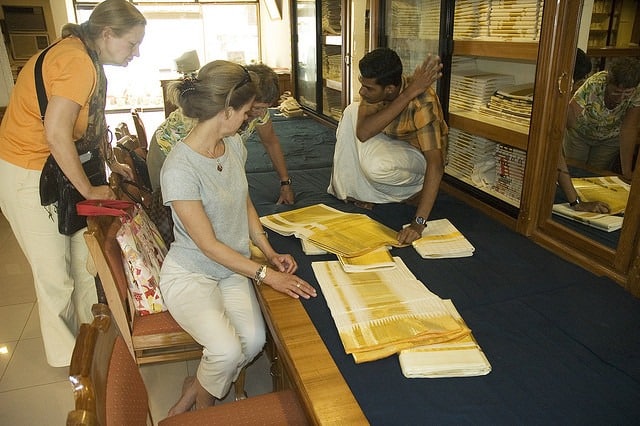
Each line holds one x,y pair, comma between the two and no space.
75,85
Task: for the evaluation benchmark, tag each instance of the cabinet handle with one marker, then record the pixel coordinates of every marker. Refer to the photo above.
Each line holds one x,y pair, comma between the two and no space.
562,77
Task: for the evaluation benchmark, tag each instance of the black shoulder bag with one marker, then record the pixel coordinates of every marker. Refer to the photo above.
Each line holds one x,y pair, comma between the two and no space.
54,185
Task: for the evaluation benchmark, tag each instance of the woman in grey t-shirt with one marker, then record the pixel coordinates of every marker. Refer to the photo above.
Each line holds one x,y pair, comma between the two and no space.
205,276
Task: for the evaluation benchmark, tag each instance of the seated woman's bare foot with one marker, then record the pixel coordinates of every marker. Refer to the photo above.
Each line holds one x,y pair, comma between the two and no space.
188,398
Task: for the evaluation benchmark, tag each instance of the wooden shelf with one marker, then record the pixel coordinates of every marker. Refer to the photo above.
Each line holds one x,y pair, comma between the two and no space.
491,128
527,51
611,51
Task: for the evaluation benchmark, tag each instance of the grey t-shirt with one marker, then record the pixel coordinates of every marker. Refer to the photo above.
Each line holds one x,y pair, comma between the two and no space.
188,175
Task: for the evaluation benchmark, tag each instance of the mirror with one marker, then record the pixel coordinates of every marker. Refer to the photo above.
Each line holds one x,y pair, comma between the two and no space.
588,163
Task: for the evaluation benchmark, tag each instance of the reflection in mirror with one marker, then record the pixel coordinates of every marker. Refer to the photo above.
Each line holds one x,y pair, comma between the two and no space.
599,147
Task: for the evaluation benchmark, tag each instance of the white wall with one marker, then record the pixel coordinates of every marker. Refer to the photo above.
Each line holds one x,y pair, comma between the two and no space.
276,36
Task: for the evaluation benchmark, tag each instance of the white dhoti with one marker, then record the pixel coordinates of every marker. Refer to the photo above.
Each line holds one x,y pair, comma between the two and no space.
380,170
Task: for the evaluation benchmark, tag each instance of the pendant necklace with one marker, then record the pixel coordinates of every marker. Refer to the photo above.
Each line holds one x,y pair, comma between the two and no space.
212,155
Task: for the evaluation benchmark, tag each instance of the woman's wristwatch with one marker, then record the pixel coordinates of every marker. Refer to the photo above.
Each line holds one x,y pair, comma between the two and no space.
575,203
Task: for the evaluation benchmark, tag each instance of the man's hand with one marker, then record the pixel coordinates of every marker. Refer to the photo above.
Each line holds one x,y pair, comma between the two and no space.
425,75
410,233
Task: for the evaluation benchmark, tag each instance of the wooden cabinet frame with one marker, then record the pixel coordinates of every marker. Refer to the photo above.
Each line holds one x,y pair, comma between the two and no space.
552,95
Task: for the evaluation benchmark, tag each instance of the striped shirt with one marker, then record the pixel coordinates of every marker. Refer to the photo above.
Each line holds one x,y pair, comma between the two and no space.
421,123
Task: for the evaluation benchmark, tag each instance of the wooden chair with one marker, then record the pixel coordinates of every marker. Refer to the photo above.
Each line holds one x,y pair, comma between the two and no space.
149,338
140,130
109,390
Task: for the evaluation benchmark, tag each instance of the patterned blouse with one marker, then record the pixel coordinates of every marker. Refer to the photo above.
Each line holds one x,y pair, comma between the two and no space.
597,122
177,126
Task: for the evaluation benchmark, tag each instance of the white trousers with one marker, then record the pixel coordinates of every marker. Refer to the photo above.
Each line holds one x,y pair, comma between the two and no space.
380,170
64,288
223,316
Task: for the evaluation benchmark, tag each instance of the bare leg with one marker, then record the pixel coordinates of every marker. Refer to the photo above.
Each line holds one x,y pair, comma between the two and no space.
188,398
203,399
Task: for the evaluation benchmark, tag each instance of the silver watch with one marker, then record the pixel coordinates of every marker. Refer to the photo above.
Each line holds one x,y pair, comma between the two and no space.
420,221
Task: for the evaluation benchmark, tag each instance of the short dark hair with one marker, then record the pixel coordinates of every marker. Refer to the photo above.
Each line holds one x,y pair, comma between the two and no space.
624,72
583,65
382,64
268,89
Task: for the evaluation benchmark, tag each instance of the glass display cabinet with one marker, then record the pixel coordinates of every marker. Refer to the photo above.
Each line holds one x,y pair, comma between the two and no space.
327,35
506,88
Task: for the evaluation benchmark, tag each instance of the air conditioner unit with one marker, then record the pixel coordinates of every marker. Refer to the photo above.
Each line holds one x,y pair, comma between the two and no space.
25,45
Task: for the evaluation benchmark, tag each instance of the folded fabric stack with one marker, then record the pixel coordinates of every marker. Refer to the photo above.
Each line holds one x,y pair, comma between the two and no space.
380,313
375,260
601,221
471,157
471,90
509,171
500,20
344,234
453,359
440,239
513,104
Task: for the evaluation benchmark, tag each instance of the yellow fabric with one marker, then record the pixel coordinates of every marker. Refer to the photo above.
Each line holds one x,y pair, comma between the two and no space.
380,313
376,259
609,189
345,234
68,72
440,239
460,358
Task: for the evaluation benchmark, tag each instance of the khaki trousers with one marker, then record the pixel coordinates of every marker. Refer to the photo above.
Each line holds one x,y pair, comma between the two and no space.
64,288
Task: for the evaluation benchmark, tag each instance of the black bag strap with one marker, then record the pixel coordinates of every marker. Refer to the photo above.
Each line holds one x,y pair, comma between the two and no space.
40,90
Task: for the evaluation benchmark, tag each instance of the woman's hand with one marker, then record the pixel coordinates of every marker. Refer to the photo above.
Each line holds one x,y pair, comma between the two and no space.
122,170
286,195
592,206
102,192
289,284
284,263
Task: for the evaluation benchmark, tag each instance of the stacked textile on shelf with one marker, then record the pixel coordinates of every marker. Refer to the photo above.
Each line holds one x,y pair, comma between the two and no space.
471,158
513,20
512,103
471,90
509,171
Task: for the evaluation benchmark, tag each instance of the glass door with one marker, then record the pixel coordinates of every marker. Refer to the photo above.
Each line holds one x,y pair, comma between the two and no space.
493,69
412,29
306,54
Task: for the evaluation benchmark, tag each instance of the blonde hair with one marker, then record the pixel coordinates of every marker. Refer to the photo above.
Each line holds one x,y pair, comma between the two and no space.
218,85
119,15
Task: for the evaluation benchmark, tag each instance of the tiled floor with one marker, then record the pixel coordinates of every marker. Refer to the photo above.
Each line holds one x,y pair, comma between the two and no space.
31,392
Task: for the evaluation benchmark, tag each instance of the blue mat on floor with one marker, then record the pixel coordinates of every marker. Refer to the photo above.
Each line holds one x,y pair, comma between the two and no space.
305,143
563,343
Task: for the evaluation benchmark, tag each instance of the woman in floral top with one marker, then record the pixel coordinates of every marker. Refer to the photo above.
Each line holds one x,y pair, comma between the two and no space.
603,117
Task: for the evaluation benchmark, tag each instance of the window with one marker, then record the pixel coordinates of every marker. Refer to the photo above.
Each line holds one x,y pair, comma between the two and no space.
228,30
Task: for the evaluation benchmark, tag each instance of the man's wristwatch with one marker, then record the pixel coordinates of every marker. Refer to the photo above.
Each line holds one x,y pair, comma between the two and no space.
575,203
285,182
420,221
